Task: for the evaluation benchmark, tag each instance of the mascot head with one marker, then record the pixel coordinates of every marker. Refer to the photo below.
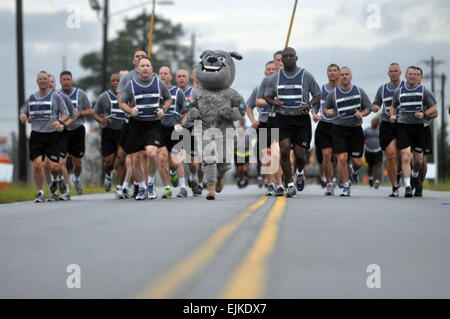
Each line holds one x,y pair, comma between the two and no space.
216,69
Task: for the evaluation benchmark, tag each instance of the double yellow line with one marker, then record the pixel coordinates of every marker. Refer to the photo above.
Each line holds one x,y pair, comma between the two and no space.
248,280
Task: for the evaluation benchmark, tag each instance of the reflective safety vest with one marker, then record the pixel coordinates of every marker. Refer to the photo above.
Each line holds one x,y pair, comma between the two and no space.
347,102
387,95
289,89
146,98
116,112
324,96
73,96
411,100
188,91
41,108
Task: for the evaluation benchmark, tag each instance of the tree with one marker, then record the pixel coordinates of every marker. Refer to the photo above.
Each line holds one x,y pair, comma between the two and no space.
166,50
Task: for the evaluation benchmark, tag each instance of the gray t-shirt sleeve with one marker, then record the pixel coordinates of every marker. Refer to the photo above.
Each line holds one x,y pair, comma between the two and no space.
270,89
261,89
378,97
310,86
329,102
25,108
127,95
83,101
365,101
102,104
428,99
122,83
165,94
251,101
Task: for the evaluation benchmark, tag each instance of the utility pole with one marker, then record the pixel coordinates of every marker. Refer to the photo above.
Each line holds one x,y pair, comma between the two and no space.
105,46
22,165
443,130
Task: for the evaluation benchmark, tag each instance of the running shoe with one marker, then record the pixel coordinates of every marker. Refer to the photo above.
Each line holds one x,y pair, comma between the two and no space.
65,196
78,187
279,191
291,192
419,189
152,193
195,188
107,184
183,192
119,193
394,191
271,190
167,193
346,191
174,179
300,182
53,197
142,194
354,176
40,198
62,186
408,192
53,187
330,190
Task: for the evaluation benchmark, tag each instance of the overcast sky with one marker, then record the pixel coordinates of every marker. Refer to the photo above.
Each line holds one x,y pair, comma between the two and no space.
324,32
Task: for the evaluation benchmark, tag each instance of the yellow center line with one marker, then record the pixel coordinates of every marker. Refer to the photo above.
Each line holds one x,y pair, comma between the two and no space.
176,277
249,280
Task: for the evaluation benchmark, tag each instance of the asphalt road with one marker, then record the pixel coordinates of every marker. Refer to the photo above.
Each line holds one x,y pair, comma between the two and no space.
243,245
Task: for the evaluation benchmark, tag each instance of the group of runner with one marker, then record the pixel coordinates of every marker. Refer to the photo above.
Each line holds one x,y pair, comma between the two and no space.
288,94
144,116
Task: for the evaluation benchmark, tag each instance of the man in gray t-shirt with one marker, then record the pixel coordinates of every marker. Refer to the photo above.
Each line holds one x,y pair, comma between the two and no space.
262,124
348,103
146,99
46,112
372,152
289,92
76,132
108,113
415,103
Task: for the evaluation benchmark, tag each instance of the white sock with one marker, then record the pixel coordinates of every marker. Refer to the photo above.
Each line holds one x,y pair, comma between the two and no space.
278,186
191,177
414,174
407,181
141,185
291,184
41,192
182,182
346,184
125,185
323,178
109,176
119,186
172,173
151,179
299,173
167,187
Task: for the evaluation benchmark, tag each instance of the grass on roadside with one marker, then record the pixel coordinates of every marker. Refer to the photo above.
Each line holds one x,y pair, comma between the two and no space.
24,192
